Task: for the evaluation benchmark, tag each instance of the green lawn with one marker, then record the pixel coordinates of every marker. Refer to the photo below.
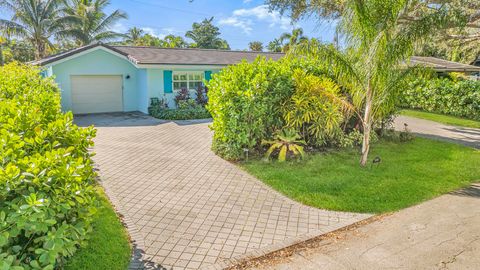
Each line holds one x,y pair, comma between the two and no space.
441,118
108,246
409,173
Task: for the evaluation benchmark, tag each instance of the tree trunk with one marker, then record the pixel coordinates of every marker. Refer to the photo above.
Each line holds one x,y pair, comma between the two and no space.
367,127
1,55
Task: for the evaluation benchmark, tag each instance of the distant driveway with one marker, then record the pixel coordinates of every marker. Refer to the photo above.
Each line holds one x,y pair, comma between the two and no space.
461,135
187,208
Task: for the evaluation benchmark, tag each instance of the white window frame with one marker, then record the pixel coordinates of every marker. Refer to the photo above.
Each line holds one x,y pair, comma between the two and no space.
201,73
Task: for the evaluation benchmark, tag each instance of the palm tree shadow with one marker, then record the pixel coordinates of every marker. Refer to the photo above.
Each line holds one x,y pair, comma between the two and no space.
471,191
140,262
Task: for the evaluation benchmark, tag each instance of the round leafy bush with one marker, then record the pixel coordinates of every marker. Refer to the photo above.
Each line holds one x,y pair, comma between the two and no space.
46,175
245,101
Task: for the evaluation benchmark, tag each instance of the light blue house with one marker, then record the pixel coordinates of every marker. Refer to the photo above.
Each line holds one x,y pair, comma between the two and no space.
99,78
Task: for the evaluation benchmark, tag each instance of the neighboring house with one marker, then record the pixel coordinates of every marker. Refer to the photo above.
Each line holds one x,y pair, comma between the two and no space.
443,66
100,78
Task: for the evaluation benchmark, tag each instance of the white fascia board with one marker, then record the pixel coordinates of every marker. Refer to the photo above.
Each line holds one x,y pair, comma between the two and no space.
131,61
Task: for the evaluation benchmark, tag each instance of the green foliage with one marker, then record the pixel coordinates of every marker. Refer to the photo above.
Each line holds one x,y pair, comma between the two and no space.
409,173
86,21
314,108
444,96
207,36
246,102
288,143
108,246
186,110
46,174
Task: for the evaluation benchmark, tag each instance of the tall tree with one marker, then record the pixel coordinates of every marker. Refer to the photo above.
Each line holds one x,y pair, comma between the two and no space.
2,41
206,35
292,39
172,41
275,45
133,35
36,21
90,23
255,46
380,37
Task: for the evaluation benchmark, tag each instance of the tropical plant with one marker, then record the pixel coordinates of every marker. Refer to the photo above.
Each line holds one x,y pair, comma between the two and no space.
36,21
316,108
206,36
172,41
255,46
379,42
47,195
292,39
201,95
286,142
89,22
2,41
275,45
133,35
182,95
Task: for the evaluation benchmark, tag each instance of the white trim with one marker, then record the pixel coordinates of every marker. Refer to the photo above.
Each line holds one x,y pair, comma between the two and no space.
180,72
89,51
182,67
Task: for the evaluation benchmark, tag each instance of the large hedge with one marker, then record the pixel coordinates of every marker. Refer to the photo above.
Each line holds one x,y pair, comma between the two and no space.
245,101
251,102
46,174
443,95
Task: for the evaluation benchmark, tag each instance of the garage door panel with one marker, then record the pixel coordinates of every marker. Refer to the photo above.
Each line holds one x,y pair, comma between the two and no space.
97,94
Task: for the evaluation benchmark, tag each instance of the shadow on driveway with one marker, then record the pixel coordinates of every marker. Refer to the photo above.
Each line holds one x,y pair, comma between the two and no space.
128,119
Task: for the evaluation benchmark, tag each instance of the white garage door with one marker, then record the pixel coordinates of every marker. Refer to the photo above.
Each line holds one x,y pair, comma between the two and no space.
97,94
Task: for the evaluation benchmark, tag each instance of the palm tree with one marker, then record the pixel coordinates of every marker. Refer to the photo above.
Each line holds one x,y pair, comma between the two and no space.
380,35
172,41
133,35
2,40
292,39
34,20
275,45
90,22
255,46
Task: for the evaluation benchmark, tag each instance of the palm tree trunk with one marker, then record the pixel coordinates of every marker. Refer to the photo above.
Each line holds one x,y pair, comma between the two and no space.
1,55
367,127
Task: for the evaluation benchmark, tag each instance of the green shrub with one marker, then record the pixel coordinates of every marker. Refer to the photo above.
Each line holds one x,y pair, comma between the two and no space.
46,174
187,110
461,98
245,101
315,108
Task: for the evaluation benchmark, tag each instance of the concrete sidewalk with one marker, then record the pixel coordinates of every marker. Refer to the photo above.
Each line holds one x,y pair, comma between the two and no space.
429,129
443,233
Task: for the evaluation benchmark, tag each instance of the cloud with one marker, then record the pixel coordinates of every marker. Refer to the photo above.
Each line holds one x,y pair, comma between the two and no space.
119,28
242,18
247,1
153,32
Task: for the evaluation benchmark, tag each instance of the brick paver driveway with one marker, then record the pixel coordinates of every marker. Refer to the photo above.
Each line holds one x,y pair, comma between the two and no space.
187,208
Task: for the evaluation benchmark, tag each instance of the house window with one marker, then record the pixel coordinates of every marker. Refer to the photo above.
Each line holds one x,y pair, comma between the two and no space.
188,80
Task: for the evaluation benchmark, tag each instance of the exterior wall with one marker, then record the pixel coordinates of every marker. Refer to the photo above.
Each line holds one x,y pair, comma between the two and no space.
143,84
156,88
142,88
98,62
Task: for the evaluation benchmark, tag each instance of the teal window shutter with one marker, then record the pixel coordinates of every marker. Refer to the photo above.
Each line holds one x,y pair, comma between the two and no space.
208,75
167,81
